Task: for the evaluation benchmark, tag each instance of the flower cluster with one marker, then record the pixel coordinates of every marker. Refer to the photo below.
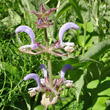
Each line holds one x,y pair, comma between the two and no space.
68,46
44,85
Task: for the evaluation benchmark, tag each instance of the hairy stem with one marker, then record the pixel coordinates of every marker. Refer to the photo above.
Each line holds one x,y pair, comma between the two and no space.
49,63
49,60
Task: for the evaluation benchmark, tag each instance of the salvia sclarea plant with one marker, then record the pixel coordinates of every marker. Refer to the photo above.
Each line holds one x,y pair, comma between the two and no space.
50,88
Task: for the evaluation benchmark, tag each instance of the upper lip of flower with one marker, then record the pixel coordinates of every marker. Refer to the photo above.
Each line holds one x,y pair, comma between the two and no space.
64,69
65,27
31,34
33,76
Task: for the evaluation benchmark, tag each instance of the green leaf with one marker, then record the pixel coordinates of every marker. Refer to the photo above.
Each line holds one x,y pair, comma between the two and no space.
93,84
89,43
76,8
5,21
89,27
81,40
39,107
13,20
10,68
63,8
100,103
95,9
105,86
96,50
74,75
83,5
107,18
79,84
28,6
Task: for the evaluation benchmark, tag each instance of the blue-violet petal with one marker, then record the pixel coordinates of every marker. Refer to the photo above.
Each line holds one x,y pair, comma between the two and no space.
65,27
27,30
33,76
44,70
64,69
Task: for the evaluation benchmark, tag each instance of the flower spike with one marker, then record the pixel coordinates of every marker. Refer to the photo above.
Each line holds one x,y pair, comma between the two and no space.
64,69
44,70
33,76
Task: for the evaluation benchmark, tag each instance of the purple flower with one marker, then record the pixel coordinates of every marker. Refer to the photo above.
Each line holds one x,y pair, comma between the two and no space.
44,85
30,32
33,76
64,69
68,46
34,45
65,27
32,91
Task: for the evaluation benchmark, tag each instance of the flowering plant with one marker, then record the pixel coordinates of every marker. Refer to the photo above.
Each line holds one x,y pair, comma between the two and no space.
51,88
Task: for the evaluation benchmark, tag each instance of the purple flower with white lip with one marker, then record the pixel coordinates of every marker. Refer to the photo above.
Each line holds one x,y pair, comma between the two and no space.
33,91
68,46
34,45
45,84
39,48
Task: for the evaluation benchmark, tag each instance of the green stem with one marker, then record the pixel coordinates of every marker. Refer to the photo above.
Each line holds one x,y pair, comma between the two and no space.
49,60
45,108
53,107
49,63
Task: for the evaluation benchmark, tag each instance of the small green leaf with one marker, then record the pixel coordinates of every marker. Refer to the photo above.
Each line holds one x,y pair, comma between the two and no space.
39,107
93,84
89,27
89,43
107,18
15,19
81,40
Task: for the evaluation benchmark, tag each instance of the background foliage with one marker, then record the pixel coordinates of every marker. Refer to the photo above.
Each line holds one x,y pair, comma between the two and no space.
90,59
